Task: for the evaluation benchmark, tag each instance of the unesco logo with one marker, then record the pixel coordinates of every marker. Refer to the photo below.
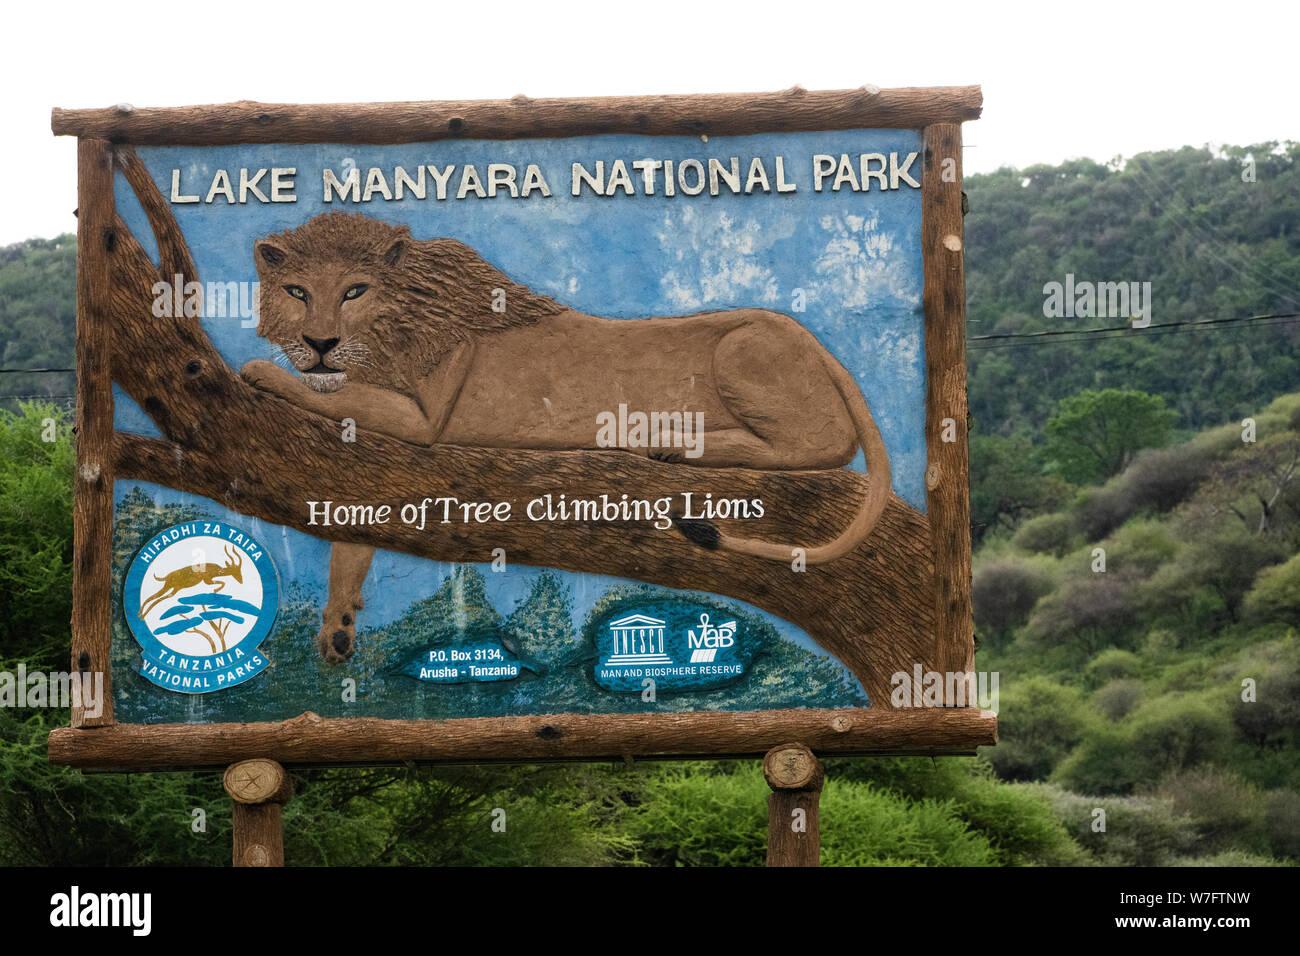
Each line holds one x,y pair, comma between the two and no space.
199,598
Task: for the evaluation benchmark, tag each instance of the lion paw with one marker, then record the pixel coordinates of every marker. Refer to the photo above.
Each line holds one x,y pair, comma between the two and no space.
338,635
268,376
258,372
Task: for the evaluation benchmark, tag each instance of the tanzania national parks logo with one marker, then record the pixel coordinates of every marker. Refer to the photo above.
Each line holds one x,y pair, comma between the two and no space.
199,598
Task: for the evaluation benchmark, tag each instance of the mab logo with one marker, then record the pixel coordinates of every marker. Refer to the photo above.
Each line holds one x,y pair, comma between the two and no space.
705,645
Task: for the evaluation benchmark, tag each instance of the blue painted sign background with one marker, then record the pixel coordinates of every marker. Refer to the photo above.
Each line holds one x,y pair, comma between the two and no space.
852,258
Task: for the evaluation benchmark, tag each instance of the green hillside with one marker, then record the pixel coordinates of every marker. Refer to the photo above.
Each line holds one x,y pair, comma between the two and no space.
1211,245
38,317
1146,636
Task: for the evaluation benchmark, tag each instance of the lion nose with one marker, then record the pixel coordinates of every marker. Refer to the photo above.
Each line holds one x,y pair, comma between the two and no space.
322,346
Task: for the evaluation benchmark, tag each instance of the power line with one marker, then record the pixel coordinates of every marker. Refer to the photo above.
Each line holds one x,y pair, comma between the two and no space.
1131,328
1101,338
36,371
1027,338
1081,339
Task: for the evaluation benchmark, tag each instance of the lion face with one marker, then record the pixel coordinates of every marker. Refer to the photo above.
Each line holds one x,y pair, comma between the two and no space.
346,297
322,299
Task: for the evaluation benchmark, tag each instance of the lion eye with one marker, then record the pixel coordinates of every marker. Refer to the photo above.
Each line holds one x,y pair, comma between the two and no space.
355,292
297,291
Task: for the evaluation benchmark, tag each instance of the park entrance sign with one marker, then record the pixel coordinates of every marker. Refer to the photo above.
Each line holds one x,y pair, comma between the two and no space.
522,430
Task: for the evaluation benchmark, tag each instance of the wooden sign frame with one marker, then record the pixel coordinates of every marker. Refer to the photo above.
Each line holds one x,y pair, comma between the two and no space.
107,339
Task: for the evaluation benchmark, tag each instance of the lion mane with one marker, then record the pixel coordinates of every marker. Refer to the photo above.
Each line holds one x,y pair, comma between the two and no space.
432,294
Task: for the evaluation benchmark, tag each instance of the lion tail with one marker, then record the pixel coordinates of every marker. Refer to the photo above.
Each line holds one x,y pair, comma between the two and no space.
870,507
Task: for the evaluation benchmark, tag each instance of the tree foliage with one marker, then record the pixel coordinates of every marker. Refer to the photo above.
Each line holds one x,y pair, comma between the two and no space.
35,532
1094,434
1211,246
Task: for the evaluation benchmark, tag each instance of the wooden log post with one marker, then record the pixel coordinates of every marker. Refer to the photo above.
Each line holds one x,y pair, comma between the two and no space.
92,525
258,788
309,739
793,830
713,114
947,474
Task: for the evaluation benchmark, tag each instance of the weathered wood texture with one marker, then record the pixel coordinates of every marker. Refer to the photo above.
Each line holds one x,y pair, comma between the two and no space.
257,789
92,534
720,114
791,767
258,834
948,471
257,781
873,608
310,739
793,826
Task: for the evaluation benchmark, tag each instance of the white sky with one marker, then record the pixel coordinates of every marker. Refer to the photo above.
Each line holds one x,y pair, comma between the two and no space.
1092,79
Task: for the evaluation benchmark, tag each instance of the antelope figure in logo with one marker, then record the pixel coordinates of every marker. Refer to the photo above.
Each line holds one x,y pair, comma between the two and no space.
194,575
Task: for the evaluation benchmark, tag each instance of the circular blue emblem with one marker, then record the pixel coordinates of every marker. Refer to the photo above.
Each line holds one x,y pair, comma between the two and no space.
199,598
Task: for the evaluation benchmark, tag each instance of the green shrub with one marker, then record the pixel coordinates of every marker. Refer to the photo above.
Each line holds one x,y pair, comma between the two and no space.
1274,715
1118,698
1138,831
1099,511
1220,442
1227,812
1017,820
863,826
35,534
1157,481
1275,594
1169,733
54,816
1087,611
1140,546
692,816
1003,593
1038,724
1220,566
1101,764
706,815
1111,664
1052,534
1178,731
1282,822
443,816
1161,478
1159,642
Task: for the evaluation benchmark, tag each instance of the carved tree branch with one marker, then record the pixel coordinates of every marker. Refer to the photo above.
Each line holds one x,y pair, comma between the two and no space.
259,455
